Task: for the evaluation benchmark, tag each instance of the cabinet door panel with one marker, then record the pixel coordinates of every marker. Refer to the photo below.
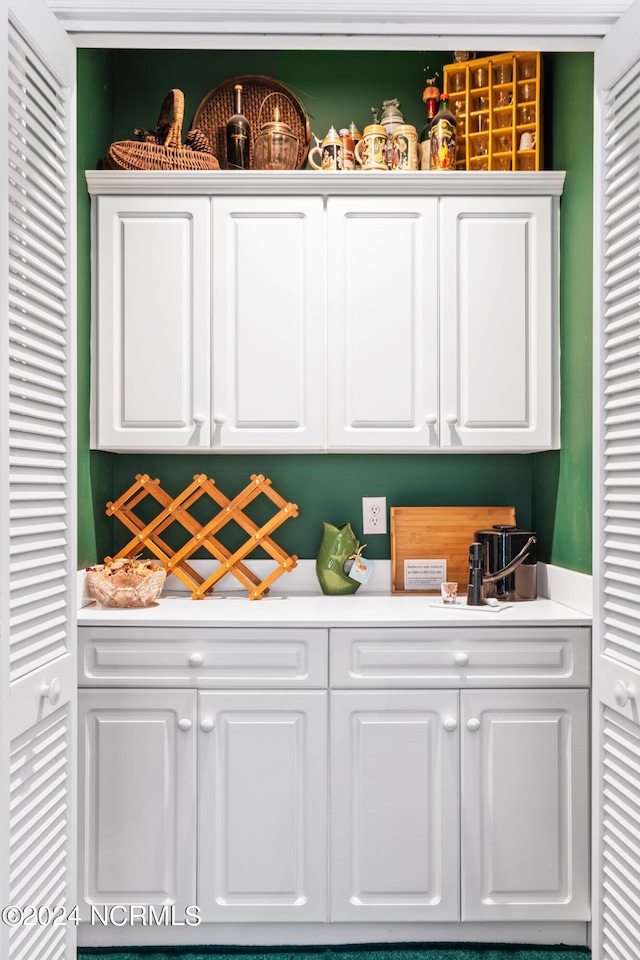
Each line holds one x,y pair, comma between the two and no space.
497,322
394,806
262,831
138,768
268,322
382,323
525,791
153,322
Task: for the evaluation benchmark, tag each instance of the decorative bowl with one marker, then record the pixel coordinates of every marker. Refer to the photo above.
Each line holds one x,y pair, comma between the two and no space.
126,583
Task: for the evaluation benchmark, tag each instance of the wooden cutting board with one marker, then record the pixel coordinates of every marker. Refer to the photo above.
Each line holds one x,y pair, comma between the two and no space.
435,533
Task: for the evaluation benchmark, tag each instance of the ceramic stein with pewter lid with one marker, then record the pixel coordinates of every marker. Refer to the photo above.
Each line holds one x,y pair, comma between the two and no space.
371,152
329,151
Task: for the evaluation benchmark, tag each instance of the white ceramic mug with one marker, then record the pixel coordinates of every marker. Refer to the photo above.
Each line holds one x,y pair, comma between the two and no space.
527,141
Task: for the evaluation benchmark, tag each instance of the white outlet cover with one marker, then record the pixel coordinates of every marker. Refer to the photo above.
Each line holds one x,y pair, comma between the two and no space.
374,515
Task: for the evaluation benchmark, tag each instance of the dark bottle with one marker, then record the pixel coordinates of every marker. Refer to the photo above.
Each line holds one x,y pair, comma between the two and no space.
443,137
425,135
238,135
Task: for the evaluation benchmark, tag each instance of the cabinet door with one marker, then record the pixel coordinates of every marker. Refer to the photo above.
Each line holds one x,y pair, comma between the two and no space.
137,751
394,806
262,806
525,793
268,317
151,371
498,319
382,304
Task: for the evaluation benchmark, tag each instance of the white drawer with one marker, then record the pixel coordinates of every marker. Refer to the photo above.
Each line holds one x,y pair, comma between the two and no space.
461,657
202,657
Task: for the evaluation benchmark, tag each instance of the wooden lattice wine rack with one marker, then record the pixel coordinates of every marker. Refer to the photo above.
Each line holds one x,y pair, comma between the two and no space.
175,510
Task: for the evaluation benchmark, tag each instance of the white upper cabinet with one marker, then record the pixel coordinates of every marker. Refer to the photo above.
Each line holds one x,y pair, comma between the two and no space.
498,355
151,345
382,323
310,312
268,318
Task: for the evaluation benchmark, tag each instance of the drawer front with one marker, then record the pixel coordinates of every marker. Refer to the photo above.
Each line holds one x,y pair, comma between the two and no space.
202,657
471,656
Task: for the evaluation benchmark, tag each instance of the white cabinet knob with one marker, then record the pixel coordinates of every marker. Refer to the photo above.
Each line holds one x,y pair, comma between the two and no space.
207,724
196,660
431,419
452,419
51,691
473,724
450,724
198,419
461,659
185,724
623,692
218,419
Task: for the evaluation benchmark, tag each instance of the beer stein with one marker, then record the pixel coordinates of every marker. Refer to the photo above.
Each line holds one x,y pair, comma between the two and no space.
329,151
405,148
371,151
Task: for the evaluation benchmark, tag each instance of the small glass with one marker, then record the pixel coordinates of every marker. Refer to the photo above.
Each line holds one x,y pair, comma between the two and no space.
527,162
527,92
479,146
502,73
527,114
502,118
504,98
481,123
526,69
456,82
479,163
481,76
502,143
449,592
502,163
457,107
481,103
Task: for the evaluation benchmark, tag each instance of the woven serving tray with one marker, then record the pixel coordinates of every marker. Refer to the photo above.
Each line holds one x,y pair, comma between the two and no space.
216,108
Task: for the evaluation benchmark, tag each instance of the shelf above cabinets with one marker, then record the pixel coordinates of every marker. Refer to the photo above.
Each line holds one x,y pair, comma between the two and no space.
320,312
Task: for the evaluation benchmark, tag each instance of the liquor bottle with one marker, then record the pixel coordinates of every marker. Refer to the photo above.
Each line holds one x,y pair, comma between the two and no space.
443,137
425,134
238,134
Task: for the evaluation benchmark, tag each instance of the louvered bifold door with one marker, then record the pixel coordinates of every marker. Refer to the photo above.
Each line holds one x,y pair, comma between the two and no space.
37,487
616,673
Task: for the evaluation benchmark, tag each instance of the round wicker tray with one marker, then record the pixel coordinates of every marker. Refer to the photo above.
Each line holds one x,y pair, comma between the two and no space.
216,108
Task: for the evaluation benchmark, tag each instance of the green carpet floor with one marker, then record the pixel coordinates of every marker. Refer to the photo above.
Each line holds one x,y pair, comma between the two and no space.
417,951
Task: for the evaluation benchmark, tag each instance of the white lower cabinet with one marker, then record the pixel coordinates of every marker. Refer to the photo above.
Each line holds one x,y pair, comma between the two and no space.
262,793
394,780
265,791
137,775
511,833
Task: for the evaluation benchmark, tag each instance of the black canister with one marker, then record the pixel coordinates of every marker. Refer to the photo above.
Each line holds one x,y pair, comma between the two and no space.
501,545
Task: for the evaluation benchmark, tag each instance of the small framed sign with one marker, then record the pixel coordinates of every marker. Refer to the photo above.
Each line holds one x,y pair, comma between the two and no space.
424,574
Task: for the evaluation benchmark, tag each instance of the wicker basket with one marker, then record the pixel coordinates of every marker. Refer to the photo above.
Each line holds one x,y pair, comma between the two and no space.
216,108
167,154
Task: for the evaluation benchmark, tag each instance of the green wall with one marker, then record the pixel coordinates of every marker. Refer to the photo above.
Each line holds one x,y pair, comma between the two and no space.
122,90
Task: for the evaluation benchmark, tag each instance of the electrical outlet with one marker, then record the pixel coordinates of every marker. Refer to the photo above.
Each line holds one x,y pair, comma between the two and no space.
374,515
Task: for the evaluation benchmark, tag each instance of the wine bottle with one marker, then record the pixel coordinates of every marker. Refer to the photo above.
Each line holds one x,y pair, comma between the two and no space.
238,134
443,137
425,135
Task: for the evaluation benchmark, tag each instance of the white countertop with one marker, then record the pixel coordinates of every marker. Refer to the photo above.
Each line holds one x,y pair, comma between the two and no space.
315,609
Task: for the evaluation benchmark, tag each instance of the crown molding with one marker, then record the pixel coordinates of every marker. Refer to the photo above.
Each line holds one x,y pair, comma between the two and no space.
324,184
545,18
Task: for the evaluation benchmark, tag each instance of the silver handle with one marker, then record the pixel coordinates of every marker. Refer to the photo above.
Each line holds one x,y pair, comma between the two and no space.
452,419
473,724
185,724
461,659
450,724
51,691
207,724
196,660
198,419
623,692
